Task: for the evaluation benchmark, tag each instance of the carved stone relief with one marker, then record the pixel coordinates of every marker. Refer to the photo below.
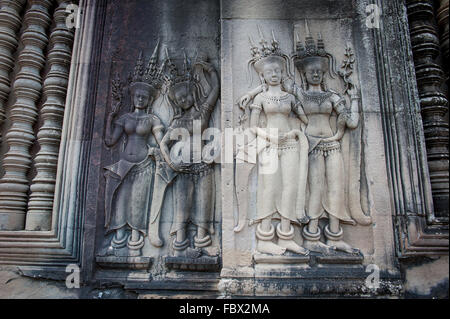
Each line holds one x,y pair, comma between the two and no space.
193,99
328,160
129,182
301,173
137,185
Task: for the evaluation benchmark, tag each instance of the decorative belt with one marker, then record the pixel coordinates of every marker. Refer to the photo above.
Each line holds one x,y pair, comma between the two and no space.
326,148
201,169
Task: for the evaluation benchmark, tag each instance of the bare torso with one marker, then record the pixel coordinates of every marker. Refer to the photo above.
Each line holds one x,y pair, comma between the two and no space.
318,113
277,109
138,129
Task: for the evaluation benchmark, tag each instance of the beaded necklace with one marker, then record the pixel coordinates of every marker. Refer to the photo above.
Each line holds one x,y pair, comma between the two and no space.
317,97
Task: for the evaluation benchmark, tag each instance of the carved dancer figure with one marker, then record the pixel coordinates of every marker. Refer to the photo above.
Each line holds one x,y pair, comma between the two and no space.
326,175
282,189
129,182
193,95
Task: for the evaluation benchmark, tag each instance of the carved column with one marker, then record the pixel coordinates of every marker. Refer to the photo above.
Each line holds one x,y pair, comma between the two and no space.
442,19
10,22
49,136
434,104
27,87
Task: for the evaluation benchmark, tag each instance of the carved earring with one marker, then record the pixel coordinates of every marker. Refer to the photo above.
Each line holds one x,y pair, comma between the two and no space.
263,82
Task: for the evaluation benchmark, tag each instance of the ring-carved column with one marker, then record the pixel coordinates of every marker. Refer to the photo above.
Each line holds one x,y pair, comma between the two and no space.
10,22
14,185
434,104
49,136
442,19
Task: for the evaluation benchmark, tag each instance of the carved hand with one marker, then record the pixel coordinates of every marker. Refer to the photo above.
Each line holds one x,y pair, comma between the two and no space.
342,120
354,92
205,65
116,108
244,100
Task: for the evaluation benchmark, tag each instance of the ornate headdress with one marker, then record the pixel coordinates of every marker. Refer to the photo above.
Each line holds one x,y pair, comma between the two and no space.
149,77
173,77
265,53
312,53
187,79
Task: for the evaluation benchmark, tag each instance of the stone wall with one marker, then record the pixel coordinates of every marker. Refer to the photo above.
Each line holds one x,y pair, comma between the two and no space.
223,148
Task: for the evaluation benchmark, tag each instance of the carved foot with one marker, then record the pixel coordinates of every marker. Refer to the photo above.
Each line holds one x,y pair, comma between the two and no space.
265,244
293,246
134,252
268,247
335,240
189,252
318,246
313,243
286,240
210,251
342,246
193,252
182,249
110,251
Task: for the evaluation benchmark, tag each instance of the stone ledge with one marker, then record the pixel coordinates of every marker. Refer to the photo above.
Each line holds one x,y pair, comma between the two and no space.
124,262
340,258
283,259
204,263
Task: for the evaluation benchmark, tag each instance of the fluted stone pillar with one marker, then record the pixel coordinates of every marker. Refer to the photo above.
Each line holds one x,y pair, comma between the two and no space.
14,185
434,104
10,22
49,136
442,19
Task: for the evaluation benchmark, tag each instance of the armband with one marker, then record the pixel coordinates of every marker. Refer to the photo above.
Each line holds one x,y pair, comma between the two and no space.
255,106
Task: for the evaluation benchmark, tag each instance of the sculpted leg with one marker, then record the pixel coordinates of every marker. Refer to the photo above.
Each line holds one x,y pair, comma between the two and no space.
316,183
204,209
316,180
302,180
335,200
183,193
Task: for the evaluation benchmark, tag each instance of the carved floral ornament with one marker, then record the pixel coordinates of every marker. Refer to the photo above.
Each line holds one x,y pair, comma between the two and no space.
300,168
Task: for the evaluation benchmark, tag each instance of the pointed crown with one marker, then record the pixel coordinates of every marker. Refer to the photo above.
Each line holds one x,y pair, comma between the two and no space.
310,49
173,76
150,74
266,49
